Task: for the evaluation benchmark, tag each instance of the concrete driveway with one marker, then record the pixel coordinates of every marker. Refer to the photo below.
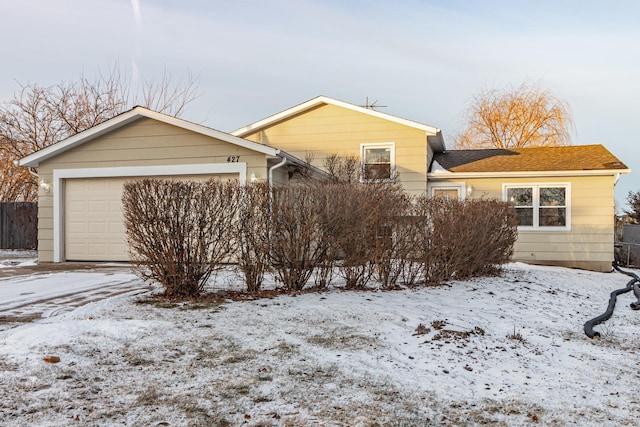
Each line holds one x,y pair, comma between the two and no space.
29,292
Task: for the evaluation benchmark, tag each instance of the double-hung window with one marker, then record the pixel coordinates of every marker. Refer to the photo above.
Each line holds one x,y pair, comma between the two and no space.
540,206
377,161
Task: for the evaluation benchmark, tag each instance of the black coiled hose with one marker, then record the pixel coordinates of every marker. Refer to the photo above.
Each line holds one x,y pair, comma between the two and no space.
631,286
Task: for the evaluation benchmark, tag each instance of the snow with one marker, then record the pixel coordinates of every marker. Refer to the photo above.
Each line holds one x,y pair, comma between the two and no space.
511,351
17,258
438,168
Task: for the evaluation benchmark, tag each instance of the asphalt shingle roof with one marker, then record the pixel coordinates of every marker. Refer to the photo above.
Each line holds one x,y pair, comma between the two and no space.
566,158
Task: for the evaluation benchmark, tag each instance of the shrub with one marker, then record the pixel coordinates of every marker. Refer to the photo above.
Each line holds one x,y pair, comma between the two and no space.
180,232
297,240
357,223
403,262
253,232
465,238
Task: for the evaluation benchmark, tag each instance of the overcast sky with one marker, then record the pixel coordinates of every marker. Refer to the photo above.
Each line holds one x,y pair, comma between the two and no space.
422,59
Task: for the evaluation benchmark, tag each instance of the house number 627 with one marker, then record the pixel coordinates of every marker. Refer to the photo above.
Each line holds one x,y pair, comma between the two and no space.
233,159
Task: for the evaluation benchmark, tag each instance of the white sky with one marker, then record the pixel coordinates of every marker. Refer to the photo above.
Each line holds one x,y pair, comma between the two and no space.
422,59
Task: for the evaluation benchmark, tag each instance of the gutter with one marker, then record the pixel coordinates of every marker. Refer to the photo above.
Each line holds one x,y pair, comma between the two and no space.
525,174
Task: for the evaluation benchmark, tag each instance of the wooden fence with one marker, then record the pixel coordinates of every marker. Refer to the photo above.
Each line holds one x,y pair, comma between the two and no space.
18,225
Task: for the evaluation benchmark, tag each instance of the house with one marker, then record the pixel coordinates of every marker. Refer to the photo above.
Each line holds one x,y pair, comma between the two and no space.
81,178
563,196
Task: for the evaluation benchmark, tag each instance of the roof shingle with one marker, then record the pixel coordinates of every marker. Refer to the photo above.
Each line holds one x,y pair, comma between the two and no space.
543,159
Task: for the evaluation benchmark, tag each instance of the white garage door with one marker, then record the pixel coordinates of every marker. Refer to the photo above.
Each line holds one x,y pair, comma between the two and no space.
93,226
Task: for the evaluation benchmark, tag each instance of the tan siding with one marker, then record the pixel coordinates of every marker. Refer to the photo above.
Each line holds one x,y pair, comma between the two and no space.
162,145
589,244
331,129
145,142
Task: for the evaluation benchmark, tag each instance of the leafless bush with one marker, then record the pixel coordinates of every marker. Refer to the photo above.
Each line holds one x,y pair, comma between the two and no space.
253,234
180,232
297,243
397,246
357,224
403,263
465,238
344,170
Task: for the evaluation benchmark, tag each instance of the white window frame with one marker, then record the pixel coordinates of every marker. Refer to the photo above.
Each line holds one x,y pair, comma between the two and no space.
536,204
460,187
392,155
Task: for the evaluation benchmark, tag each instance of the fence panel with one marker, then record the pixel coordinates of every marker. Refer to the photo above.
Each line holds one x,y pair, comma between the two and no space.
18,225
631,233
628,251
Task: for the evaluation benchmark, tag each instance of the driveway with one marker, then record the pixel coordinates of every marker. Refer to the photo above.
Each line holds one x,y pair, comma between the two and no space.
29,292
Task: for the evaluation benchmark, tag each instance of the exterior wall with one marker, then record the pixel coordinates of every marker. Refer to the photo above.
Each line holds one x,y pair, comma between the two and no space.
331,129
589,243
145,142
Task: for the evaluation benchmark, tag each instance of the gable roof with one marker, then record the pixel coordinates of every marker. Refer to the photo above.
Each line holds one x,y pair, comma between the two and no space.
576,159
320,100
137,113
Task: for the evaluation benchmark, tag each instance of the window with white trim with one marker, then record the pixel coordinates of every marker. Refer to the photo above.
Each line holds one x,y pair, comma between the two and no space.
451,191
540,206
377,161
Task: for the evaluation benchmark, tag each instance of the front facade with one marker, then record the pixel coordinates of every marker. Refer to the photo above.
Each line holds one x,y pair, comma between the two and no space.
563,196
79,209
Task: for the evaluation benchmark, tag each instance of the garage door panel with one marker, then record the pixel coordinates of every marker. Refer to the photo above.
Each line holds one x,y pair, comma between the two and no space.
97,185
97,229
96,205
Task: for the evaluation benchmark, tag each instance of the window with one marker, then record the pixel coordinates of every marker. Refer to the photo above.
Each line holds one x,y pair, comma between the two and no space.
377,161
450,190
544,206
450,193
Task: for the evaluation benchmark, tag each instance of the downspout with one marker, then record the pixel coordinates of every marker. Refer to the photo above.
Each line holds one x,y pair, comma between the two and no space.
616,178
274,167
33,173
36,175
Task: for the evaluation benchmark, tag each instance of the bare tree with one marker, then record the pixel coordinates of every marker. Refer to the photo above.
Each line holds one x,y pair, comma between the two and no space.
39,116
633,199
526,116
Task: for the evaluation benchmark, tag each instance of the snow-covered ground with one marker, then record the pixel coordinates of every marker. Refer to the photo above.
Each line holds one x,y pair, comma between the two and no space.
12,257
506,350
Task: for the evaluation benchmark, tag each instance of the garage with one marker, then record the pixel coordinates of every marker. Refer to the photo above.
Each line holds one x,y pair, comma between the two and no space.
81,178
